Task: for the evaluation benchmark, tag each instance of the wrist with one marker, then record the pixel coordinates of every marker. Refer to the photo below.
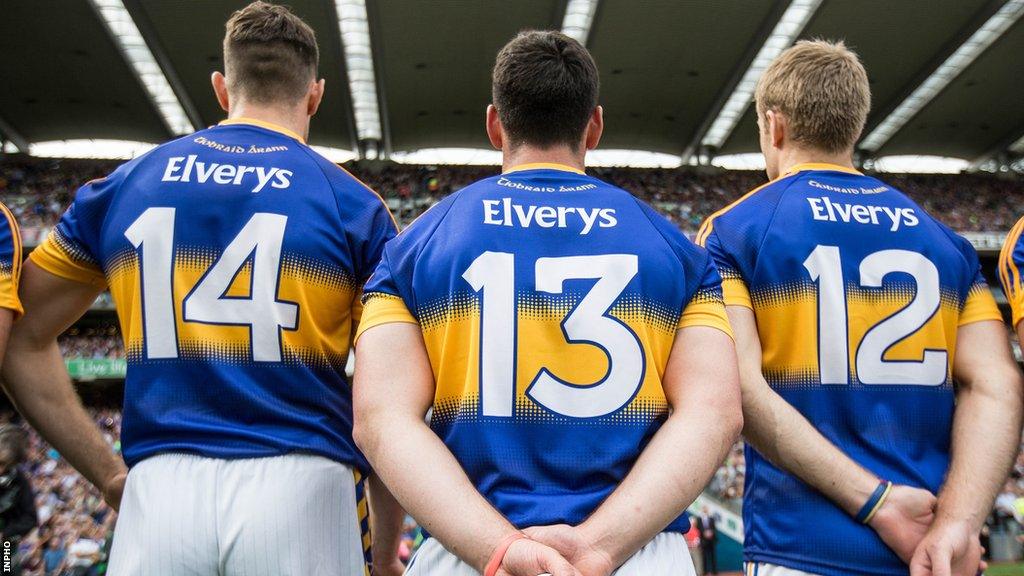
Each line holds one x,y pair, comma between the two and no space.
603,542
498,551
874,503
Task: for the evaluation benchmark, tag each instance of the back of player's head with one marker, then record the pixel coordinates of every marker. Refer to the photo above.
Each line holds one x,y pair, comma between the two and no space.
270,54
822,89
545,88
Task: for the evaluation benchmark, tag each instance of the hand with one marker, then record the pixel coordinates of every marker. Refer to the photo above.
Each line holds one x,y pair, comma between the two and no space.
528,558
570,543
114,489
904,519
949,549
394,567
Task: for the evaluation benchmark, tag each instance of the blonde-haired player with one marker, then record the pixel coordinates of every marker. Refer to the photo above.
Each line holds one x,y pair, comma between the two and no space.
855,312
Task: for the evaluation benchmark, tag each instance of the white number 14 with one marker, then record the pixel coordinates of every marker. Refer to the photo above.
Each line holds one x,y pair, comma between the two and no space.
261,237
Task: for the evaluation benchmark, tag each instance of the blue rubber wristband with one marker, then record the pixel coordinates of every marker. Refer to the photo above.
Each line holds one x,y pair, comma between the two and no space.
869,508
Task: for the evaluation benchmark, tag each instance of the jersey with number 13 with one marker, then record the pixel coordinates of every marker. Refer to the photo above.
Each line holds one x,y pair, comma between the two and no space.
858,294
549,302
235,257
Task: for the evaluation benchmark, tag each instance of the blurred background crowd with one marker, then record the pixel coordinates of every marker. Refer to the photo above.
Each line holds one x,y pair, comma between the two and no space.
38,190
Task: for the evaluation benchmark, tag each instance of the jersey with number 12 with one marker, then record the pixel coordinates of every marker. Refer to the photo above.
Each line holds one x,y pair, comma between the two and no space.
549,302
858,294
235,258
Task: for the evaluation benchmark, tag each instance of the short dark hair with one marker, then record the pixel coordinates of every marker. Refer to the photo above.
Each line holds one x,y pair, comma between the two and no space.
270,54
545,87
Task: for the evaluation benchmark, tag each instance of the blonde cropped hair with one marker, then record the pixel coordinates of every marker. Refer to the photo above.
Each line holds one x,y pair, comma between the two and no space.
822,89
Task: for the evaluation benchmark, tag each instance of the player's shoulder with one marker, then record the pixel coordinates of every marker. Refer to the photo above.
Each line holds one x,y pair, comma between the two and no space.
750,211
1015,238
688,253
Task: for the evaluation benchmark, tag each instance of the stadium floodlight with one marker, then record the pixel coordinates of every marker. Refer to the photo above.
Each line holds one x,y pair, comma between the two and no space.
362,82
786,30
133,46
989,32
579,17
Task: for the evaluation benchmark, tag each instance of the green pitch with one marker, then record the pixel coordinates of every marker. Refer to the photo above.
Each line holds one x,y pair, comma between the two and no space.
1005,570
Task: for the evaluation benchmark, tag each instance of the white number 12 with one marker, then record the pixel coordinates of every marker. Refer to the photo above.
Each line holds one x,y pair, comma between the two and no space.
825,267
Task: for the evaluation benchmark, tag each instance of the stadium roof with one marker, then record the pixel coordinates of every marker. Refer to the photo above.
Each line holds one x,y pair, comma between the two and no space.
946,75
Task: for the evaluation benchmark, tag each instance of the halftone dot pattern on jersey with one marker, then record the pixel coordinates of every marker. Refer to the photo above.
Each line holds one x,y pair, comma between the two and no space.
72,249
439,312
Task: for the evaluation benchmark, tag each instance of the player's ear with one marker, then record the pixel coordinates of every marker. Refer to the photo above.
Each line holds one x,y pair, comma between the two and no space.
315,97
220,89
776,128
495,131
595,128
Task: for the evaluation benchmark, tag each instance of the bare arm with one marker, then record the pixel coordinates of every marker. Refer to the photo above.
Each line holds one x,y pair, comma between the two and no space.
781,433
37,381
986,437
394,388
702,387
386,516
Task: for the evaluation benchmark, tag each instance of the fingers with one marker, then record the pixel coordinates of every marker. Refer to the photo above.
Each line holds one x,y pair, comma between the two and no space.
942,560
920,564
553,563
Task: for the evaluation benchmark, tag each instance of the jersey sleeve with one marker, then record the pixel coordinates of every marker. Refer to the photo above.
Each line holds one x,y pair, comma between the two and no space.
10,262
1011,261
378,227
72,249
383,302
706,306
389,296
978,304
734,288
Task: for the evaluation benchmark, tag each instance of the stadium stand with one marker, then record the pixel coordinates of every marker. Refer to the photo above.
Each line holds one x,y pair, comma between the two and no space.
38,190
74,519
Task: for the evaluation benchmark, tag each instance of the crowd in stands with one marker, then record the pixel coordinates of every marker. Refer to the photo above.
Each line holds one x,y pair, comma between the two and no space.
38,190
103,341
75,525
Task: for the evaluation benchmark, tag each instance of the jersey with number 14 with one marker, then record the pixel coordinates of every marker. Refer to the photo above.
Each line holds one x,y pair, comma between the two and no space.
858,295
235,257
548,302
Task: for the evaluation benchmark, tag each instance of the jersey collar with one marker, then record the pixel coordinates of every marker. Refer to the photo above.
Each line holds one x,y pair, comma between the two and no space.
261,124
820,166
543,166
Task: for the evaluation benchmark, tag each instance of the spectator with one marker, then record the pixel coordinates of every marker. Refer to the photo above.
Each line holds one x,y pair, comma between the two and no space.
707,525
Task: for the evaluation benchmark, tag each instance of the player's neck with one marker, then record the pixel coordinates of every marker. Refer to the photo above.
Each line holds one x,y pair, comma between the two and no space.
528,155
797,156
294,120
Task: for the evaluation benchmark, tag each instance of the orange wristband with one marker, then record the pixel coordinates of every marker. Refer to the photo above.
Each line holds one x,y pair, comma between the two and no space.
499,553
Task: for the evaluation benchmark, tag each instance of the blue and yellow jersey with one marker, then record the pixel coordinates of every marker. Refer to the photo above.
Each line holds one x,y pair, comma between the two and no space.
858,294
1011,260
549,302
236,258
10,262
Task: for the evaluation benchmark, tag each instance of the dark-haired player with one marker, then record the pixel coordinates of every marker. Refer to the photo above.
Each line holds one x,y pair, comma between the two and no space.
235,257
571,342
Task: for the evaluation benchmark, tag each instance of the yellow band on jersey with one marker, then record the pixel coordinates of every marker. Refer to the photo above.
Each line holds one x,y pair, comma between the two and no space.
51,256
735,292
381,308
980,306
710,313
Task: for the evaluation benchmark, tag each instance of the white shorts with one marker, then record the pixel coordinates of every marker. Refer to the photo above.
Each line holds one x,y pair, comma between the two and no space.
666,555
762,569
292,515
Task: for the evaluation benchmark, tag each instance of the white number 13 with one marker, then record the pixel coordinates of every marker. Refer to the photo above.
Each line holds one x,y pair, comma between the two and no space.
588,323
